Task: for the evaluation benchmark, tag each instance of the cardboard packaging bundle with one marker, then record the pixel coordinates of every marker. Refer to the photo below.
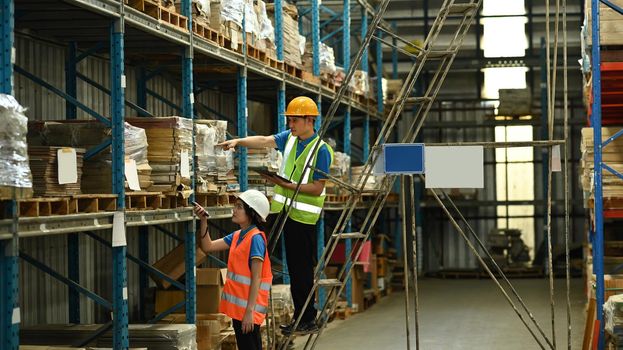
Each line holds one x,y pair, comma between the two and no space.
291,40
169,151
97,171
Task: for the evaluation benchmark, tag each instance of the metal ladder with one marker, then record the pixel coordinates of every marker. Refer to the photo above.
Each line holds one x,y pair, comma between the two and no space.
430,53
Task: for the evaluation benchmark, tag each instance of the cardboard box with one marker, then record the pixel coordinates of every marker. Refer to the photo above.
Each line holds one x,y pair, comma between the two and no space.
174,266
210,284
358,280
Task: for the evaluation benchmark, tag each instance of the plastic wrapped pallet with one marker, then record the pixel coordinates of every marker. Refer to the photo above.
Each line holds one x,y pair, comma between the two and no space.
266,159
267,31
327,59
214,165
232,10
613,312
14,167
360,84
157,337
251,23
341,165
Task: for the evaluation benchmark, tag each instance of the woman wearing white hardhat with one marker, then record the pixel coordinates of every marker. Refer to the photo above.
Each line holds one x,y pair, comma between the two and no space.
249,275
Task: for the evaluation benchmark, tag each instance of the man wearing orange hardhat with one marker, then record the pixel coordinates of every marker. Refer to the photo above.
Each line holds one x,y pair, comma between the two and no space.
297,145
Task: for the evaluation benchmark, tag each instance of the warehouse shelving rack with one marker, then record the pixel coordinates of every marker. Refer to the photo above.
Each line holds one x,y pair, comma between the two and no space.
597,231
132,34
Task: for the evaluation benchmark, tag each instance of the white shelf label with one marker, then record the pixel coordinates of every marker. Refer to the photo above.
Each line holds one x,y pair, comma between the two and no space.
185,165
131,175
118,229
192,98
16,317
123,81
556,166
67,164
125,293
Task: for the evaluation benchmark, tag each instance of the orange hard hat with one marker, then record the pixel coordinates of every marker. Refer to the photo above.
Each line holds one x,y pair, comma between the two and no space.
302,106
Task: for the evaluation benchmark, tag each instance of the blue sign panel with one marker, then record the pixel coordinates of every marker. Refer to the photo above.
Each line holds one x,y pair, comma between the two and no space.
403,158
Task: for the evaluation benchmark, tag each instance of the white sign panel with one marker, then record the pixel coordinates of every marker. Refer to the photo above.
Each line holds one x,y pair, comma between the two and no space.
454,166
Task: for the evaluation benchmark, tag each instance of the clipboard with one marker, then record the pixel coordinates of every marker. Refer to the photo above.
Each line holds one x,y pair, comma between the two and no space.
267,172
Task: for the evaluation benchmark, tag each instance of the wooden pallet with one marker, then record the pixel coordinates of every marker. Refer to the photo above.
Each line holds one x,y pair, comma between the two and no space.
274,63
162,14
173,200
207,199
93,203
9,193
207,33
256,53
328,84
227,45
337,198
44,206
293,70
143,200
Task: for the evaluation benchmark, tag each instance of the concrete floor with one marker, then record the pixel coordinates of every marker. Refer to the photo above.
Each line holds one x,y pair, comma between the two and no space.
461,314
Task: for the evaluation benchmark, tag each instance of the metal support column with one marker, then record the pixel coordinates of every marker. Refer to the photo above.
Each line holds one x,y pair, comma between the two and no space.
119,270
315,37
364,67
6,48
243,113
9,286
347,131
281,119
598,239
9,249
188,101
71,81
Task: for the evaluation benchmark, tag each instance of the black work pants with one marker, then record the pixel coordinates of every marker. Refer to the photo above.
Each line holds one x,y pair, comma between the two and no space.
248,341
300,240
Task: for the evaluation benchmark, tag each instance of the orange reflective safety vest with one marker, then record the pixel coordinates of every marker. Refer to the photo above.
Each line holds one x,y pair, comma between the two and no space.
238,284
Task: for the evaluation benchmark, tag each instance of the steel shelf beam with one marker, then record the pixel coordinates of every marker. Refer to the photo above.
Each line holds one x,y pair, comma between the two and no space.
75,223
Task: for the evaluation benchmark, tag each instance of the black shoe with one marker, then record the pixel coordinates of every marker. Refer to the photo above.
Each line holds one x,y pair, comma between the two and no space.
287,328
307,328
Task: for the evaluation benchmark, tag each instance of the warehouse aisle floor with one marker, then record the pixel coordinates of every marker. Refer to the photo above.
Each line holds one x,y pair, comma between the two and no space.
461,314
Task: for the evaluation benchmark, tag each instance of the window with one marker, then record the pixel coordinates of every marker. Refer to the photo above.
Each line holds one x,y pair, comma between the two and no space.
515,181
506,37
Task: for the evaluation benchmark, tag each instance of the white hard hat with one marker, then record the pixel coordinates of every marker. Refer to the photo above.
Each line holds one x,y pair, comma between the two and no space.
257,201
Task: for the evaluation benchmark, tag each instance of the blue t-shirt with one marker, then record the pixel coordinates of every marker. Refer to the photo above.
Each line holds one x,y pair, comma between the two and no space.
258,246
323,161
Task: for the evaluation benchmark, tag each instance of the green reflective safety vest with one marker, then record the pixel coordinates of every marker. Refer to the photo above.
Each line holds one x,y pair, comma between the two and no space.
306,208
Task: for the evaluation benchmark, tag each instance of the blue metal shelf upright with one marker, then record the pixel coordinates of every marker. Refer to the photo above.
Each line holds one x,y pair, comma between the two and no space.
597,237
9,249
